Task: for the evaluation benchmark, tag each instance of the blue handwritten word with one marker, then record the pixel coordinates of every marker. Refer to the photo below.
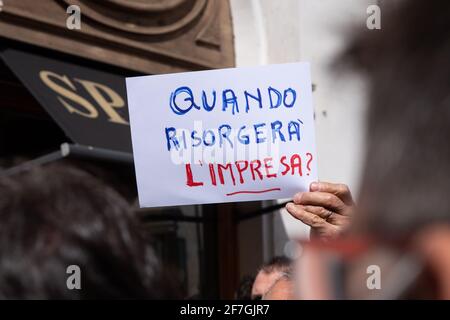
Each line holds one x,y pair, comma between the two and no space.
224,135
182,100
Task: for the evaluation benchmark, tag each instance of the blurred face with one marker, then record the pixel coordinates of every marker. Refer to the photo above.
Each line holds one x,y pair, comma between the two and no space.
416,268
281,290
263,282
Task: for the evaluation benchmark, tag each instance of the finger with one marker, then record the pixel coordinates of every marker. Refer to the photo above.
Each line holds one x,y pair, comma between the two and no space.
340,190
321,199
319,211
328,215
306,217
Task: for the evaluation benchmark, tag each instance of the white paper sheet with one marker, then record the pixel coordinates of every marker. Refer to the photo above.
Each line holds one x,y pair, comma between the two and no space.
238,134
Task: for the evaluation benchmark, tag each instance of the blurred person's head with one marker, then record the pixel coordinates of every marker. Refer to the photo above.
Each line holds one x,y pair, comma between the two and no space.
268,275
405,184
56,216
404,197
282,289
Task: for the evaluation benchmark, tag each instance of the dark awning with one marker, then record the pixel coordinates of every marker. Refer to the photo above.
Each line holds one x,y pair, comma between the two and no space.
89,105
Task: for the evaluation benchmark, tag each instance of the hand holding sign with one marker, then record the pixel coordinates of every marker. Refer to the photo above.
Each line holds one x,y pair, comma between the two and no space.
222,135
327,209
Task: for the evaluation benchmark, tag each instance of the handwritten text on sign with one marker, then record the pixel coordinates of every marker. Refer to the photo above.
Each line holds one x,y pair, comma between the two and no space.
222,135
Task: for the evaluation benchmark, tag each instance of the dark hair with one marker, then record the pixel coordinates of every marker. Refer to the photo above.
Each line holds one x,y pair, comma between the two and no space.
244,291
406,181
278,263
55,216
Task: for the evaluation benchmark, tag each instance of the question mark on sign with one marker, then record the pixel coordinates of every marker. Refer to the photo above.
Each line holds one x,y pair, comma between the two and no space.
309,155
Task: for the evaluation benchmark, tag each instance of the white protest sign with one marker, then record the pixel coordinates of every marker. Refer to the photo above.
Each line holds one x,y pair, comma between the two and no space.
238,134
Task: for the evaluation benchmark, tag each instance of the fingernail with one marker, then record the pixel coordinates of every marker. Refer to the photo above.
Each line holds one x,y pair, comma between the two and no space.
289,205
298,197
314,186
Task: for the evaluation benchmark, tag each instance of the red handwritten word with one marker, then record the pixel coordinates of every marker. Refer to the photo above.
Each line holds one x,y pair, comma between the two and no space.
242,171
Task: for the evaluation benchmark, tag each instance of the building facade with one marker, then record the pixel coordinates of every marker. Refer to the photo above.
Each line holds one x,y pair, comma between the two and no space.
74,81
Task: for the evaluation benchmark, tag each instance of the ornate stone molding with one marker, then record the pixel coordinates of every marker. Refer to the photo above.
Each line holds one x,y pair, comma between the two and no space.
149,36
151,17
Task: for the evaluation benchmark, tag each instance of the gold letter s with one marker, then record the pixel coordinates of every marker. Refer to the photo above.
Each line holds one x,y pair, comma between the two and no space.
89,112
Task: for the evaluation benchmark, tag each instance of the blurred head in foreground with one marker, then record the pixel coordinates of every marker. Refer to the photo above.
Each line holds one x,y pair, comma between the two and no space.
404,205
54,217
269,274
